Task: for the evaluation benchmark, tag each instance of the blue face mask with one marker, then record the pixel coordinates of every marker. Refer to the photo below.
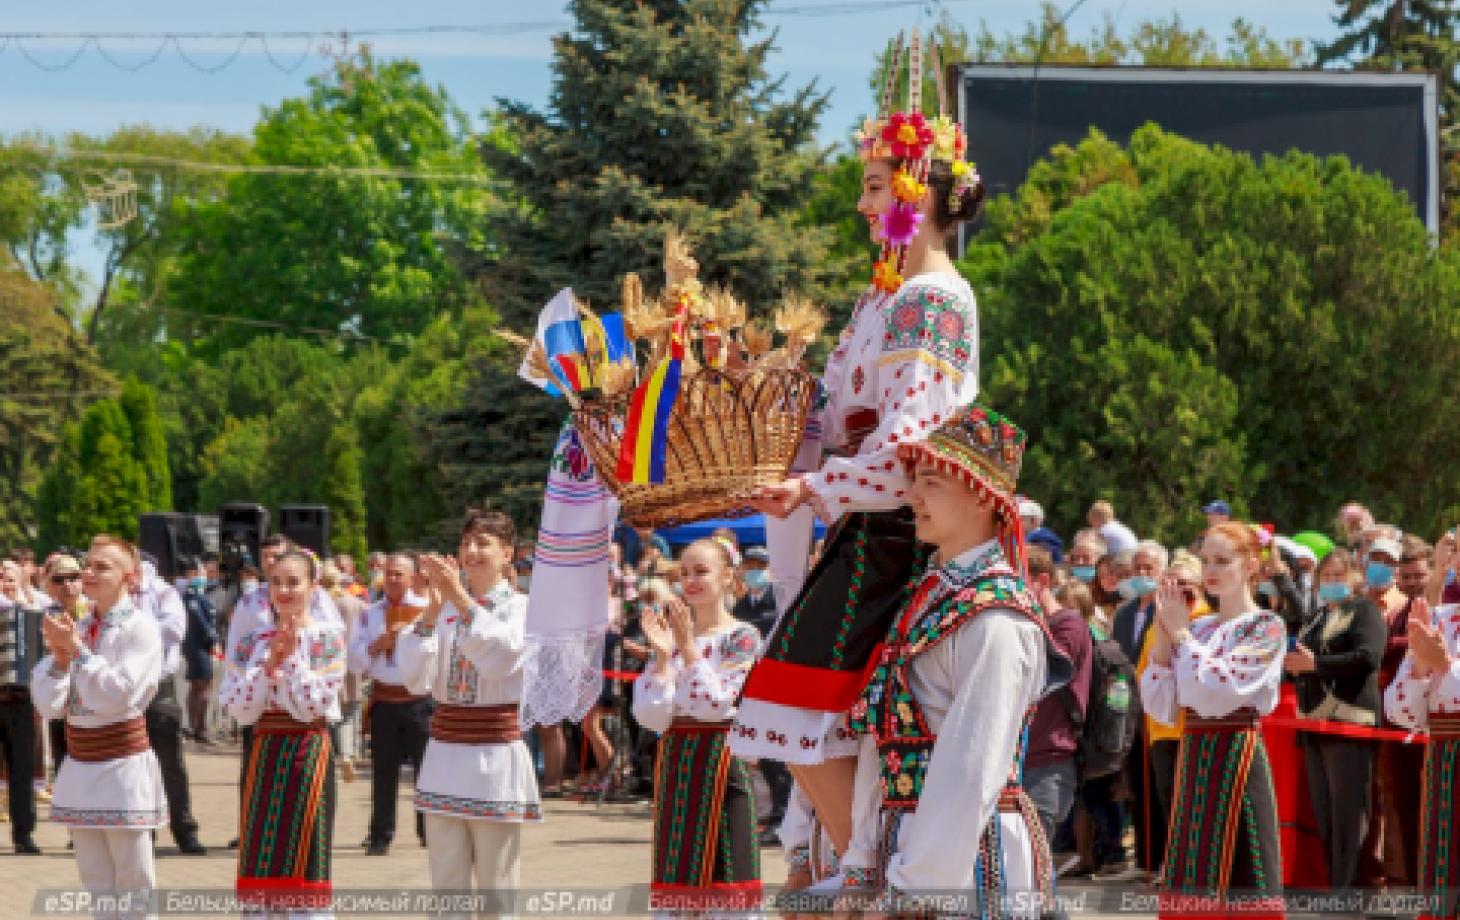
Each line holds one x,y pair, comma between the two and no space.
1379,574
200,583
1266,589
1138,586
1333,591
756,578
1084,573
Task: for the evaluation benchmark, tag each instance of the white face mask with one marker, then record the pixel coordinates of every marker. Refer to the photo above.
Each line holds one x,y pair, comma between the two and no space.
248,586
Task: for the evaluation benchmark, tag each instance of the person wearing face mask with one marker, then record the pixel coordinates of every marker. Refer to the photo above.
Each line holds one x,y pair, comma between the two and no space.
200,644
1083,562
1378,566
1278,590
1133,621
1335,659
757,605
1397,797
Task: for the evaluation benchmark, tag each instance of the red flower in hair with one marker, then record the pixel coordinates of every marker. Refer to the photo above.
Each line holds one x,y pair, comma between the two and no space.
908,135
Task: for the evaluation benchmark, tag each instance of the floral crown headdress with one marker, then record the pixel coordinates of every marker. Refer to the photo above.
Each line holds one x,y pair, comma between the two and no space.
914,142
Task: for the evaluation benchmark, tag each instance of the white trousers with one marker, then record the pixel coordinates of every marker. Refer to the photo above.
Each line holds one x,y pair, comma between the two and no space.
459,847
114,865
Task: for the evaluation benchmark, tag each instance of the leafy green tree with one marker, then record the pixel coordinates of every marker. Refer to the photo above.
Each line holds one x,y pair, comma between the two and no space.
48,376
44,198
1176,321
331,252
149,442
343,490
410,499
1151,42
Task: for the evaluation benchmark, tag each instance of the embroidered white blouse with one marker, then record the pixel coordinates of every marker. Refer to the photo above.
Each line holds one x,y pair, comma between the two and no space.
306,685
705,691
903,364
473,659
112,681
1409,699
1219,669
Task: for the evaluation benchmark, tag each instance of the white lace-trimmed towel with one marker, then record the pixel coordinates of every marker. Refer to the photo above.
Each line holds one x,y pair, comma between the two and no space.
567,606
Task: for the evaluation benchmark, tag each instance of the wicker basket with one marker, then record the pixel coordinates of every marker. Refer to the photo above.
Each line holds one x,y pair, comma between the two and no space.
729,433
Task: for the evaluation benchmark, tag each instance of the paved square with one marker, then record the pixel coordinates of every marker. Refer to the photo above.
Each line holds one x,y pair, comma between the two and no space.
578,846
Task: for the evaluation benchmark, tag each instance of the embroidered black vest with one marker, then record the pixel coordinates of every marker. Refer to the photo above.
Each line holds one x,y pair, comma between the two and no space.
889,711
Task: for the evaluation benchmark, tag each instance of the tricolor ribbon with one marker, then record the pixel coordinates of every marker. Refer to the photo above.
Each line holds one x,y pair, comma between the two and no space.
641,458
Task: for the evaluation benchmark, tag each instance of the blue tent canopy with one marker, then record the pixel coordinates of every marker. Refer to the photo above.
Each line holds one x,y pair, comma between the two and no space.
749,531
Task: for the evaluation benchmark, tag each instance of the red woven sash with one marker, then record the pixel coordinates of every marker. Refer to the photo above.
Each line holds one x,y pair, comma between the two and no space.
684,724
107,742
381,692
1444,723
476,724
1240,721
279,722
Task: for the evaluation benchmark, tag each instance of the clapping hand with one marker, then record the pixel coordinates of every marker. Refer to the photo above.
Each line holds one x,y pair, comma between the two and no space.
1172,613
1427,647
283,644
660,638
62,639
445,576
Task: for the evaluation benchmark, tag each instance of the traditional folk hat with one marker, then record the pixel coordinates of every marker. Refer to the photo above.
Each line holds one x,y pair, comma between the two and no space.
985,450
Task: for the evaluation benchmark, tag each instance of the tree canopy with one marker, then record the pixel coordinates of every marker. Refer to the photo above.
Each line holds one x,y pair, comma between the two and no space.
1176,322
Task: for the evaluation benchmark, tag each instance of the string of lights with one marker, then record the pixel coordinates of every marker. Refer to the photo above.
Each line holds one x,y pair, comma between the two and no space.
24,42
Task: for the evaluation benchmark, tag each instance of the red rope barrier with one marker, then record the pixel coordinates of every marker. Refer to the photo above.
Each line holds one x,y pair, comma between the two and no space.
1346,730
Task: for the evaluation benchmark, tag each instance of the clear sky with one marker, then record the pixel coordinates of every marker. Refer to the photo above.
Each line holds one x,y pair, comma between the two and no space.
93,96
829,41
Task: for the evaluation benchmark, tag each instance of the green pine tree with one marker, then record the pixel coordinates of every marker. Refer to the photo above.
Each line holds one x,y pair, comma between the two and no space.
149,442
662,115
343,490
1418,35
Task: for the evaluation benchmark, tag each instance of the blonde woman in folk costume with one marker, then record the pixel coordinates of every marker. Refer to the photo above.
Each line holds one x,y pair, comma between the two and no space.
705,853
905,363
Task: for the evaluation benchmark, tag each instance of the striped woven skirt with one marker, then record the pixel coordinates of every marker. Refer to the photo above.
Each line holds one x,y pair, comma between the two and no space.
821,653
287,817
706,855
1439,865
1223,856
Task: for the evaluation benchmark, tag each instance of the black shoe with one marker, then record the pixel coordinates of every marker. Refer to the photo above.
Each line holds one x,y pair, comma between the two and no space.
769,838
233,844
189,845
374,847
26,846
